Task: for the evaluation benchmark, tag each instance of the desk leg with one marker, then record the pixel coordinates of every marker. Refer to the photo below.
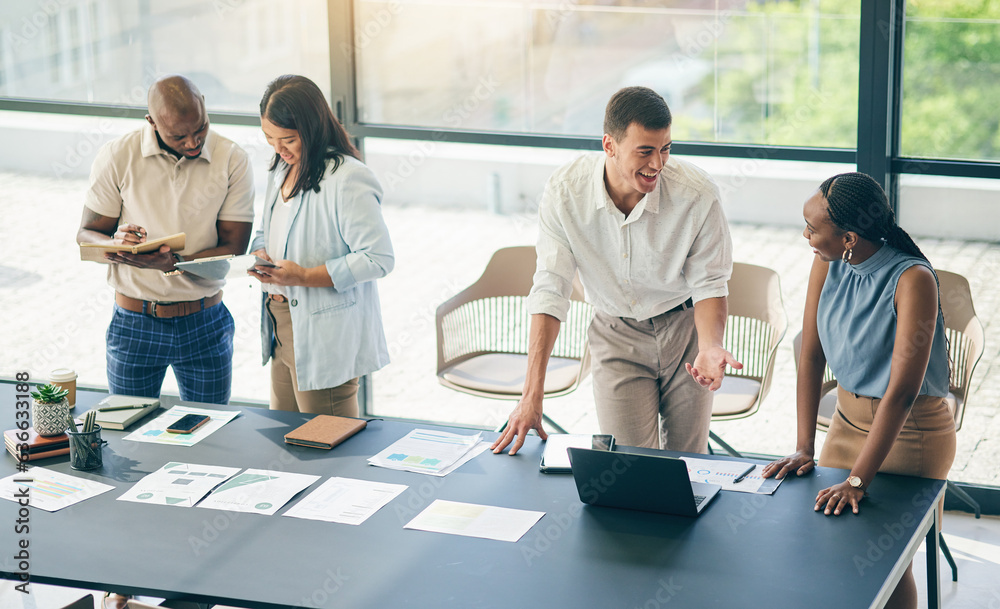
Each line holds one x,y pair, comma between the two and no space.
933,564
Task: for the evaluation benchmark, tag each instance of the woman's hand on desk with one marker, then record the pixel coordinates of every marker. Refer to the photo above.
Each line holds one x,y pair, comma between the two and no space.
837,497
800,462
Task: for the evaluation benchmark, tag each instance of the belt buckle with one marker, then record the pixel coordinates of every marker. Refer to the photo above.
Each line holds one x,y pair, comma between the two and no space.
152,308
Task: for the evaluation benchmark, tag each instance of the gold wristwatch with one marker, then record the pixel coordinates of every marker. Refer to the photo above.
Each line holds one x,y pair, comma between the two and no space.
856,482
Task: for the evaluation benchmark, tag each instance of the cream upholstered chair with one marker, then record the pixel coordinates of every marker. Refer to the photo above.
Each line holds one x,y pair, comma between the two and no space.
966,339
482,334
756,324
827,391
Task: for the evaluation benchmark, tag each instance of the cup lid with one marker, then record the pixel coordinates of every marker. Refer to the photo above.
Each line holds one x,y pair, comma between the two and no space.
62,374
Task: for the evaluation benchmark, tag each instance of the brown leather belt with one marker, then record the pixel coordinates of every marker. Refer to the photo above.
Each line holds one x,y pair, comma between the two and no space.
277,298
166,309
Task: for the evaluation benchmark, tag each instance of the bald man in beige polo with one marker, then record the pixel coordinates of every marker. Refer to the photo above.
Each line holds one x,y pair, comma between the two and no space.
173,175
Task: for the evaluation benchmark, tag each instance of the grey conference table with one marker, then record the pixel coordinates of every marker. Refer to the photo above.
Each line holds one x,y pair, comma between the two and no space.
743,551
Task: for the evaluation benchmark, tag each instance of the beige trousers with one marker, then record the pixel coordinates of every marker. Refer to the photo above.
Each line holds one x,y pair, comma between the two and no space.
643,394
285,394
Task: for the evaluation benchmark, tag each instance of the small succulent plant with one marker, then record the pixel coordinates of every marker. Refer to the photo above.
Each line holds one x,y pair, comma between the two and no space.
49,394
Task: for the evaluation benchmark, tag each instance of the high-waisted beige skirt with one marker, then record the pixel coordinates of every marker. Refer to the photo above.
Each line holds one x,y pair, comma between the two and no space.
925,447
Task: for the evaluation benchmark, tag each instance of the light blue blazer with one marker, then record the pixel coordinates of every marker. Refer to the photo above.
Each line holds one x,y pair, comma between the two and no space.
338,331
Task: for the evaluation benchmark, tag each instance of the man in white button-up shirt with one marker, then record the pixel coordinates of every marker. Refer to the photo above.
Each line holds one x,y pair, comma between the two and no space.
648,236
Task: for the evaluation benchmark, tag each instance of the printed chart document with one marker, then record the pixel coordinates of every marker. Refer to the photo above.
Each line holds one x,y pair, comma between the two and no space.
156,430
345,500
425,451
259,491
725,472
181,484
49,490
471,520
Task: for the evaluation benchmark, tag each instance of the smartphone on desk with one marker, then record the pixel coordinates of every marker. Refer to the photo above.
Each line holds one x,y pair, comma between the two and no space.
188,423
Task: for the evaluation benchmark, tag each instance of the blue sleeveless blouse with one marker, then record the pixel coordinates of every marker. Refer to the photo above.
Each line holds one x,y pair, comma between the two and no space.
856,320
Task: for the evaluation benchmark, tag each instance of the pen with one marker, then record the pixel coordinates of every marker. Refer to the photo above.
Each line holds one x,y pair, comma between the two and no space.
128,407
744,474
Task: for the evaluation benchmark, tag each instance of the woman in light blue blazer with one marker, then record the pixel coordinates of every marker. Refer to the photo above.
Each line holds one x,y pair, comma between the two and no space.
321,324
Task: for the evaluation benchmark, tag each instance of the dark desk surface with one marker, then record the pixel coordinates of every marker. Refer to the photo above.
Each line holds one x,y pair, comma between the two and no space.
743,551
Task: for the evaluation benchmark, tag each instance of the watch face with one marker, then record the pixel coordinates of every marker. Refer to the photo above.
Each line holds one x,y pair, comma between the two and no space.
855,481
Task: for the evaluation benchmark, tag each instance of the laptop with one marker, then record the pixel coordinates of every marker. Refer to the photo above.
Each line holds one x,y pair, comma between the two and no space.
638,482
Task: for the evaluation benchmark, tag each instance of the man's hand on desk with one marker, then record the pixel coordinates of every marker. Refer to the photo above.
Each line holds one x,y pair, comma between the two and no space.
524,418
800,462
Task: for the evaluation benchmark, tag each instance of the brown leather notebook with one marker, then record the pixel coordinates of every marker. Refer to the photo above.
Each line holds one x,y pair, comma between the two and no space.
324,431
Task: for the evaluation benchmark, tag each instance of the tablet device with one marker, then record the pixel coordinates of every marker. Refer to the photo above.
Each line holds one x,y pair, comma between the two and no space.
555,459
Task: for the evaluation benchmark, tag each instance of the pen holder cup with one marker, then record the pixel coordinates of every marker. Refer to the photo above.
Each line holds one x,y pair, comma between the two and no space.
86,449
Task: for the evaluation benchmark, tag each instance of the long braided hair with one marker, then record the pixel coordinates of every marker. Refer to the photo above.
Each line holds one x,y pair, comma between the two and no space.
857,203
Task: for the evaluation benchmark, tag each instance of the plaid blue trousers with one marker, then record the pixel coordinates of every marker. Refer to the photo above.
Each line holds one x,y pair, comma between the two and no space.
199,347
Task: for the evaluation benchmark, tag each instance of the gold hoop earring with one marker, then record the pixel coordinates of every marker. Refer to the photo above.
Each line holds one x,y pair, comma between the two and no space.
846,257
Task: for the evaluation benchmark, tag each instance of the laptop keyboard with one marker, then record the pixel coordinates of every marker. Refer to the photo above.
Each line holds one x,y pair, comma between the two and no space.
698,499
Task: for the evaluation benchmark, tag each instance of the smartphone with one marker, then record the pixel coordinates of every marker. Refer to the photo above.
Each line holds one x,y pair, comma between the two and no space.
189,423
603,442
261,262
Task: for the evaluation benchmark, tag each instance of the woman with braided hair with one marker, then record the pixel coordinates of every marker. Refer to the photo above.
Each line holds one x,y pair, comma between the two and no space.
872,313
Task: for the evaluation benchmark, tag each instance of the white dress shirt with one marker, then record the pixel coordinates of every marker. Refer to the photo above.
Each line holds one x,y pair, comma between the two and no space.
673,246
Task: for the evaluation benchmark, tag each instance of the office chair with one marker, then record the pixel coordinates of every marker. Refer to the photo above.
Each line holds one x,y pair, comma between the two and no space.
756,324
482,334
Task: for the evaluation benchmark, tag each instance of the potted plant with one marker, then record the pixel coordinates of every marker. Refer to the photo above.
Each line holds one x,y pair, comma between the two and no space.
50,410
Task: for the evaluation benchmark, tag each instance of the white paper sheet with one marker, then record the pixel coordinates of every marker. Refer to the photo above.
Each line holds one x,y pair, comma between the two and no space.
156,430
471,520
258,491
345,500
49,490
428,451
724,473
181,484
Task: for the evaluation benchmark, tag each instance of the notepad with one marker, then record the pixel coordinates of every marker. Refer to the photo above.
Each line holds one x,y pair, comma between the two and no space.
94,252
324,431
123,419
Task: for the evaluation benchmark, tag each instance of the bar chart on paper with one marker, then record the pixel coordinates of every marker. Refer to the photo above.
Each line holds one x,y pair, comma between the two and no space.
50,490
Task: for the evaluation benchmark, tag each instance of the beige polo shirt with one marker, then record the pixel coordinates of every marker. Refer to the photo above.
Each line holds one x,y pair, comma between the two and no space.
136,181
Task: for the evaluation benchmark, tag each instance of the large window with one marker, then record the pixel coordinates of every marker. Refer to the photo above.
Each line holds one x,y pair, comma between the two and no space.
110,51
751,73
951,80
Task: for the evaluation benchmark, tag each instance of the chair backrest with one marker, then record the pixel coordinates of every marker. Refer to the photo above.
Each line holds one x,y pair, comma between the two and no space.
756,323
966,339
490,315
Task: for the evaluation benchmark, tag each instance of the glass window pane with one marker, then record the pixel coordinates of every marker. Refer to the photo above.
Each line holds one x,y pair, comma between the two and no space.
755,72
110,51
951,80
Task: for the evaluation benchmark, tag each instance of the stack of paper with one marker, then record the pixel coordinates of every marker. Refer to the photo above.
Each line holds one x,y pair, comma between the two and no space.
430,452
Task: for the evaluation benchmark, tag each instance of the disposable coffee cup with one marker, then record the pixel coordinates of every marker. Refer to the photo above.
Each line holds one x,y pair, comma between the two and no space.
86,449
65,378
